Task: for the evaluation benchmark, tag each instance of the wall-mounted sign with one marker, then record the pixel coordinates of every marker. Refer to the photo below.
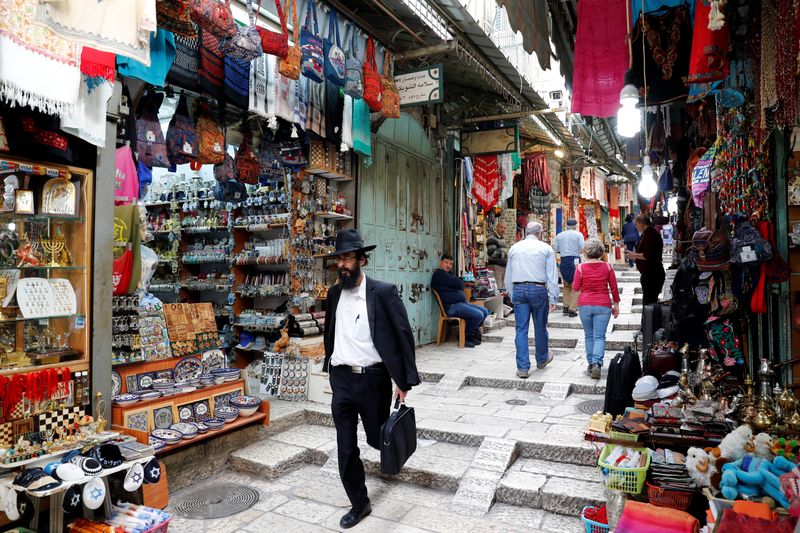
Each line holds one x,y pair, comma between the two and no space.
491,141
421,86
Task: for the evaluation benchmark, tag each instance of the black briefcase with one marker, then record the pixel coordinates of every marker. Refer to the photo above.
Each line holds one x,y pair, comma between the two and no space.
398,439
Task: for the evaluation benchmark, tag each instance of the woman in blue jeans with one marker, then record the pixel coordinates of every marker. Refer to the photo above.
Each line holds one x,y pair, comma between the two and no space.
597,283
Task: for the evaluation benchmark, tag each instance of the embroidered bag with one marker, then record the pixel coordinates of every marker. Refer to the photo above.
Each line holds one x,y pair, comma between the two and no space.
269,161
214,16
312,64
230,191
723,342
152,150
390,106
289,66
353,76
711,250
210,139
181,135
334,55
226,170
748,247
246,44
723,301
247,167
372,80
184,70
173,15
237,81
211,73
274,43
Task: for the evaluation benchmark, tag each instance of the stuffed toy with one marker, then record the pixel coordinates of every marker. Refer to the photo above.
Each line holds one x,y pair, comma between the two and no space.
750,477
701,468
734,446
762,446
785,447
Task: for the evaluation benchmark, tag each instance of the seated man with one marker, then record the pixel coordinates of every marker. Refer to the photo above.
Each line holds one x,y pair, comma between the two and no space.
451,290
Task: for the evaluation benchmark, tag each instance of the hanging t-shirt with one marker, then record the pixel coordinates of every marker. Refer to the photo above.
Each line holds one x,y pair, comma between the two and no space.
334,108
162,55
126,181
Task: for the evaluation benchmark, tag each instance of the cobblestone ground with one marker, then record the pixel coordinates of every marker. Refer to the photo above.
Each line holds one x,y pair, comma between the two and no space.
496,453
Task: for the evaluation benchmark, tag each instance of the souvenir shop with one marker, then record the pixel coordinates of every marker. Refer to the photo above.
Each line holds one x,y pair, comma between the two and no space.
235,152
701,423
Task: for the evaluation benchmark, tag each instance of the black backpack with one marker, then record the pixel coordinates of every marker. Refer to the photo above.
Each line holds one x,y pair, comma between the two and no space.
623,371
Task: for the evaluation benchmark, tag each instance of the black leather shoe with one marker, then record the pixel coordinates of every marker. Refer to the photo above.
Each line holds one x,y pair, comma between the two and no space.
352,518
474,340
469,344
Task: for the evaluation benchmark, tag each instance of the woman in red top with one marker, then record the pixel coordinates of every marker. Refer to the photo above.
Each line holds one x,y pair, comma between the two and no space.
595,279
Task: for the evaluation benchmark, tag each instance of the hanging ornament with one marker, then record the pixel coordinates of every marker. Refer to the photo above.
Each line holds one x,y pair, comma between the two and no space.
716,17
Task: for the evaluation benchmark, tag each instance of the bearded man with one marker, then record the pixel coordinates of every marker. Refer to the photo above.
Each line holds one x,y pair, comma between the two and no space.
368,344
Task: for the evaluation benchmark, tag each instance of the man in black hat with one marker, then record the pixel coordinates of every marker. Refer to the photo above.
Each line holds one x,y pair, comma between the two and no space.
368,343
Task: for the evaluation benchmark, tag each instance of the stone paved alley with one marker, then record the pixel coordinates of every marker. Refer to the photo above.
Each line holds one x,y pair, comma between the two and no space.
496,453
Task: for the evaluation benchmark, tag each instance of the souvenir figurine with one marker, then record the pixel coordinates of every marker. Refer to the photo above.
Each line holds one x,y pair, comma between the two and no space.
11,184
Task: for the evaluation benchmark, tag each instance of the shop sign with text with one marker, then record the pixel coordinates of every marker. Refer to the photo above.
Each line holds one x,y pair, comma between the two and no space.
421,86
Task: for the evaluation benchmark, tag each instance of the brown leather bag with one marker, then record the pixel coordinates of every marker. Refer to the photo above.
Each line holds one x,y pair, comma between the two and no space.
711,250
661,359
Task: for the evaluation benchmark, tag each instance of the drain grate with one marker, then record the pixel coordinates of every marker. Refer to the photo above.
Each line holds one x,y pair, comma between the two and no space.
217,501
516,401
590,407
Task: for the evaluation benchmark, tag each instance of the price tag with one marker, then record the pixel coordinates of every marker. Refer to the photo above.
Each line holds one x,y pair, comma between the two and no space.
80,322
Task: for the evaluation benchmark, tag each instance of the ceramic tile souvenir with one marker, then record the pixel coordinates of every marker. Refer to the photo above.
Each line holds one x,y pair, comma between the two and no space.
163,417
139,420
213,360
116,383
185,413
201,410
131,384
144,380
223,400
165,374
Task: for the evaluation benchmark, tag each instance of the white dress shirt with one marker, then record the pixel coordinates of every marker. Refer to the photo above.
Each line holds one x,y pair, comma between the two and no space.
352,340
532,260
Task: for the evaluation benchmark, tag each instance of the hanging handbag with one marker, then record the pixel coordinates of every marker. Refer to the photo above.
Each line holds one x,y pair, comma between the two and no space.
247,167
246,44
181,135
173,15
269,161
748,247
289,66
225,171
184,70
211,74
210,139
214,17
334,55
230,191
372,80
390,105
150,144
312,64
711,250
353,75
274,43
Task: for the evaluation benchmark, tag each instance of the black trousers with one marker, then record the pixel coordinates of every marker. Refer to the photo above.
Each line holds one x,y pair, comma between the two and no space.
652,283
368,395
631,247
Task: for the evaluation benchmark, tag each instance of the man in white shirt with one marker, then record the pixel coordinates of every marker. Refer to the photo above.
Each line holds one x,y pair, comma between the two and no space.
532,283
368,343
568,244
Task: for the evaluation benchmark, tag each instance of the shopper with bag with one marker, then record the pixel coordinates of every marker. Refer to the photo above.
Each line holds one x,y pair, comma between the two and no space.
368,343
595,279
649,257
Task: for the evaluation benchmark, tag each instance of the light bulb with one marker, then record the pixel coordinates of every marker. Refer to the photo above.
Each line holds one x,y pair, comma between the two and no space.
559,153
629,118
647,186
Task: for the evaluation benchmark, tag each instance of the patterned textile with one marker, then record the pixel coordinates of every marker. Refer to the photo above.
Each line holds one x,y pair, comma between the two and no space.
315,117
709,60
591,221
301,105
506,176
601,57
258,86
119,26
587,184
212,67
286,100
486,181
723,342
46,57
539,203
187,61
237,81
600,188
534,168
362,142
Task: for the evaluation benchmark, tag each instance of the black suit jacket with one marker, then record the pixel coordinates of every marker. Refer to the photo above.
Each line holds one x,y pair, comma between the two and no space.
390,329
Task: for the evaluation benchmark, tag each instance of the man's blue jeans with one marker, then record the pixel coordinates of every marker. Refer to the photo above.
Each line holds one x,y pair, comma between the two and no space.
595,320
530,301
473,314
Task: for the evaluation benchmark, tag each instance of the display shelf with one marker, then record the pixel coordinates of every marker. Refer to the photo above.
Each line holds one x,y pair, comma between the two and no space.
256,228
330,215
207,262
77,365
40,217
257,327
49,317
45,268
203,230
239,422
328,174
174,398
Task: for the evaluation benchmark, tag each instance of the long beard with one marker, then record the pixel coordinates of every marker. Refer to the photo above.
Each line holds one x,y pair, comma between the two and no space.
349,278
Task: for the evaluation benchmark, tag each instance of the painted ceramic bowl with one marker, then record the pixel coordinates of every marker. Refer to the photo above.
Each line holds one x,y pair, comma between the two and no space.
214,423
229,414
167,435
157,444
126,399
186,429
247,405
201,427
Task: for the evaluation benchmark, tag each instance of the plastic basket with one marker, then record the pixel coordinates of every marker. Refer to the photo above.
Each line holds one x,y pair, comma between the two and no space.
591,526
618,435
630,480
160,528
675,499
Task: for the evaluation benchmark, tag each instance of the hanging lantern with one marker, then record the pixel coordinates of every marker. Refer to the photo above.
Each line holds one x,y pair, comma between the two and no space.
647,186
629,118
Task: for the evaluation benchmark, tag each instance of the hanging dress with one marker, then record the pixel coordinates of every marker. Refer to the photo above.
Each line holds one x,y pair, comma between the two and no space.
709,61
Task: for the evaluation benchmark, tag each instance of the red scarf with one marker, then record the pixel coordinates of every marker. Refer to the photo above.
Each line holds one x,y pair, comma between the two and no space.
486,181
95,63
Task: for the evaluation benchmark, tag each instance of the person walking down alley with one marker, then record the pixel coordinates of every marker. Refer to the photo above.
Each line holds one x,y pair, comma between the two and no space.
649,257
630,236
368,344
498,252
568,244
450,289
595,279
532,282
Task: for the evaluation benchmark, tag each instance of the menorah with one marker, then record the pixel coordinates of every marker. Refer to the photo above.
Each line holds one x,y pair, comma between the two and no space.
56,249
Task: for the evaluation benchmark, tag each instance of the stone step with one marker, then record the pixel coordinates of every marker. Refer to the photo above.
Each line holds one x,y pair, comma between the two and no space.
535,383
626,327
271,458
556,492
557,343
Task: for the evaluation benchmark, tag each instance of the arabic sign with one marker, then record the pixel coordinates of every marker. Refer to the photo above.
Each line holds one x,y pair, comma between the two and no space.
421,86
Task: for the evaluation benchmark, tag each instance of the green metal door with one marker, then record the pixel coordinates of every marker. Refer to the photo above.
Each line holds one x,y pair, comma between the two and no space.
400,208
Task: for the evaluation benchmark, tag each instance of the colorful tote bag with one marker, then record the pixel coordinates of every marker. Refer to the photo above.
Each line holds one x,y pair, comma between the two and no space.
312,64
246,44
213,16
373,89
150,144
391,98
289,66
353,73
334,55
181,135
274,43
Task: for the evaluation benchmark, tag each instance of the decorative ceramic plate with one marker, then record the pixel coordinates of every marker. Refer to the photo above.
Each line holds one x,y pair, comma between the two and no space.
188,368
116,383
126,399
245,401
167,435
184,428
157,444
162,417
12,279
212,360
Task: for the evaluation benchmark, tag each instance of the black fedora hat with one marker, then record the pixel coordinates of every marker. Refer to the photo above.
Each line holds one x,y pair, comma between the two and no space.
349,240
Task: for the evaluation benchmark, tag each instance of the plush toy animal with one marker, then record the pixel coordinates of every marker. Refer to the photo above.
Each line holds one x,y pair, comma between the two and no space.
734,446
762,446
751,477
700,467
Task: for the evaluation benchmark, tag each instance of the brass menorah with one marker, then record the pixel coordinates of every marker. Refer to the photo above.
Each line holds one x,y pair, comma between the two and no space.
56,250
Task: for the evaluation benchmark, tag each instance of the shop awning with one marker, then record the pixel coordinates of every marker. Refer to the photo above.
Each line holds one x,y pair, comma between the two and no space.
530,18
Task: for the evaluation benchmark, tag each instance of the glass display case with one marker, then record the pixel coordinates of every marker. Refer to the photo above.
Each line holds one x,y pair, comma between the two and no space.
45,258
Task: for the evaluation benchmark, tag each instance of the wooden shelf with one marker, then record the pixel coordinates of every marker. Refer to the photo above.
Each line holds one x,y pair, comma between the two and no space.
74,366
328,174
239,422
330,215
132,363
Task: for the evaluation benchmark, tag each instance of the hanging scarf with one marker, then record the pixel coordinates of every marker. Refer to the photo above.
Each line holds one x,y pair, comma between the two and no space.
88,118
347,124
301,101
258,86
507,174
37,68
486,181
362,142
536,172
272,91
